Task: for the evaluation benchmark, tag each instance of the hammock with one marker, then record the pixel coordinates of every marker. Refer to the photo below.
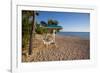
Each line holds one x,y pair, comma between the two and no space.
48,39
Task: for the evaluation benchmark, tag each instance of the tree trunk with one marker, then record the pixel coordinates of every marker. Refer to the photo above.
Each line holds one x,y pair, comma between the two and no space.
31,34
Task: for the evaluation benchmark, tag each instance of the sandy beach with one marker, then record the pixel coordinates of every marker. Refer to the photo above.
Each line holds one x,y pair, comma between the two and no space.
66,48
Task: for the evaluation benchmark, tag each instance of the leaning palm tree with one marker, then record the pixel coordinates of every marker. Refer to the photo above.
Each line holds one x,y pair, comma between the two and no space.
32,32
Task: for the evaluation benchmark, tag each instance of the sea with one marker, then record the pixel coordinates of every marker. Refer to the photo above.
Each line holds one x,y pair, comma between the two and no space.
83,35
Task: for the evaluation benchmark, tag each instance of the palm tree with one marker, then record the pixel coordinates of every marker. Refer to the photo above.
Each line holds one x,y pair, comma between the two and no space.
32,32
28,28
52,22
43,23
26,25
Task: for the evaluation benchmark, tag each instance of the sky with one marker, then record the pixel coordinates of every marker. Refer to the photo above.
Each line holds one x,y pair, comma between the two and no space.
70,21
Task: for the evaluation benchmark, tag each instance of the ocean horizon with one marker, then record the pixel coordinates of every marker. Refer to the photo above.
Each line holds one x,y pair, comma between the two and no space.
83,35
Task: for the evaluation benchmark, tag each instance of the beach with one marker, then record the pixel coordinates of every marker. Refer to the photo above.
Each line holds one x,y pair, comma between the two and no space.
65,48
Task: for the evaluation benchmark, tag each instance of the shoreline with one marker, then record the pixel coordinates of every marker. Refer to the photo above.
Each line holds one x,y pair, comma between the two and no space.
82,35
68,36
67,48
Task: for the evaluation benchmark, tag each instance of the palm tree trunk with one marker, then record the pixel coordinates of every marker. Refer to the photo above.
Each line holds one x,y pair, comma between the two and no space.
31,34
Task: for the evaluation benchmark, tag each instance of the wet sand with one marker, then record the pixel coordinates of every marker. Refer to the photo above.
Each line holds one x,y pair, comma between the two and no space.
66,48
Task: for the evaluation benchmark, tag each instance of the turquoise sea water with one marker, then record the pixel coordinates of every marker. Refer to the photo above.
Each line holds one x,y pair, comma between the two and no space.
84,35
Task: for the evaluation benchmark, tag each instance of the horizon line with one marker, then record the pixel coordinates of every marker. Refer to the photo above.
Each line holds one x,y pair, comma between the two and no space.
74,31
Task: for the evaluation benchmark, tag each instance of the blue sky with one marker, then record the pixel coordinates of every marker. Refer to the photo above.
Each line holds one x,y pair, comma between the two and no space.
70,21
